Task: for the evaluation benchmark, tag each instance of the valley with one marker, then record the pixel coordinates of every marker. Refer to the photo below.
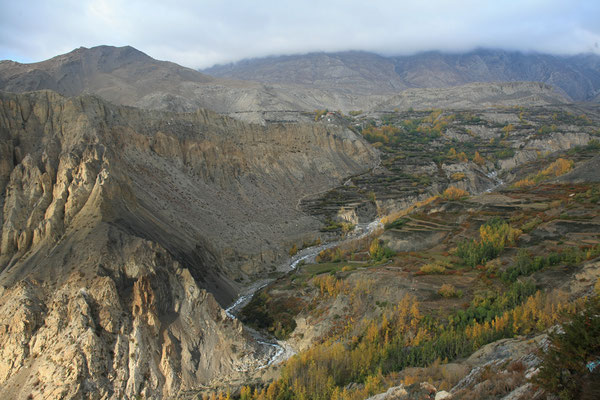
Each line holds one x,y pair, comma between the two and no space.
360,228
420,262
420,307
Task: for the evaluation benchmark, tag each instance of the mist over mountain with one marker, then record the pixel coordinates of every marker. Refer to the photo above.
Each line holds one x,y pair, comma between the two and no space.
576,76
279,88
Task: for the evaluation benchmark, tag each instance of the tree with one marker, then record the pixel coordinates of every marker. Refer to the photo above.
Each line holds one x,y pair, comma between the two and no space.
509,128
478,159
564,368
293,250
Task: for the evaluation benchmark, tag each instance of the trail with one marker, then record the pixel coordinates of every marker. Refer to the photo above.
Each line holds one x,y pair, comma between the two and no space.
279,348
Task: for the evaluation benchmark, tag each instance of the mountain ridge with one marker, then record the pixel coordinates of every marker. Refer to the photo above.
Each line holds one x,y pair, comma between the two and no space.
432,69
124,75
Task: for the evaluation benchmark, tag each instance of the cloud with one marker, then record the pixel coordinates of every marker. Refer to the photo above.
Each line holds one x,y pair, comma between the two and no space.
201,33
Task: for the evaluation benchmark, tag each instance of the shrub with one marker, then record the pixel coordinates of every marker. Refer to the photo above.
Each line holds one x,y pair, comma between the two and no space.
330,255
454,193
431,269
531,224
508,129
458,176
559,167
319,114
447,290
593,144
399,223
379,252
523,183
505,153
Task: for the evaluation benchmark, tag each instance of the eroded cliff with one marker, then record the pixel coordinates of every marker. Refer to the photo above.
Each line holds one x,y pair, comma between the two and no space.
122,230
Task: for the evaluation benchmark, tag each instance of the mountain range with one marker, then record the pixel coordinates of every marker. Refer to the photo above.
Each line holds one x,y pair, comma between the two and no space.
267,89
577,76
170,233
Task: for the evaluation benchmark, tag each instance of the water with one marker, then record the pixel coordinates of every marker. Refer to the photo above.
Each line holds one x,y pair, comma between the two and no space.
281,351
498,182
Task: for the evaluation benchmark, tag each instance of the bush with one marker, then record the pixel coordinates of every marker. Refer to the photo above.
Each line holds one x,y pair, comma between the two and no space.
477,159
447,290
399,223
454,193
431,269
458,176
379,252
531,224
593,144
523,183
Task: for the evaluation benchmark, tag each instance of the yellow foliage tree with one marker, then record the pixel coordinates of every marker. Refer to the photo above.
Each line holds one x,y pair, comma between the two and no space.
509,128
478,159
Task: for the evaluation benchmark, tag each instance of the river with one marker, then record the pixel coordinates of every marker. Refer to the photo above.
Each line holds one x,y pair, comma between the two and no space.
278,349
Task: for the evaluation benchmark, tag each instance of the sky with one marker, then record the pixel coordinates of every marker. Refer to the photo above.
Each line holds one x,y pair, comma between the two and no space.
201,33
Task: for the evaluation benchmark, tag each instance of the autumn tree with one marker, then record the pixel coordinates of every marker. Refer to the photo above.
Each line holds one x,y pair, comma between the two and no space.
478,159
508,129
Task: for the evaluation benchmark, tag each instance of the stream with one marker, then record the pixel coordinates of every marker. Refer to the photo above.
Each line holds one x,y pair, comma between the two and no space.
497,181
279,350
282,351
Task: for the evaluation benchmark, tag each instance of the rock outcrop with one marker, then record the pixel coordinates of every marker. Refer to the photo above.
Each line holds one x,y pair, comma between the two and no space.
122,230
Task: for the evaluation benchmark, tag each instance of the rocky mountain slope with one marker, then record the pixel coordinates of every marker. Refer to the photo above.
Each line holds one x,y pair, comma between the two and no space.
123,229
352,72
124,232
576,76
124,75
474,96
350,81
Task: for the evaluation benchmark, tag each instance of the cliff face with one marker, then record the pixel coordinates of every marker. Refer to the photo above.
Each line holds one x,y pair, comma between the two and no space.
122,229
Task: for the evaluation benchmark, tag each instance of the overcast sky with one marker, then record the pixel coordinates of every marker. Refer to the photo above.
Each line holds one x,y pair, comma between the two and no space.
200,33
